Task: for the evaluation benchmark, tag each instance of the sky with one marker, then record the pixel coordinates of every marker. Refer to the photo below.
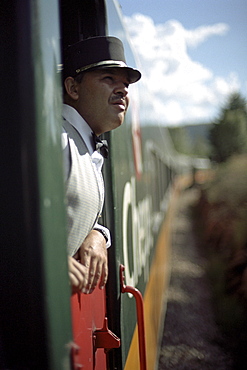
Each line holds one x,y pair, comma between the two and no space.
192,53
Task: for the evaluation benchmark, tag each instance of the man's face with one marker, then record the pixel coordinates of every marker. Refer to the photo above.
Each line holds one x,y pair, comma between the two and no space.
102,98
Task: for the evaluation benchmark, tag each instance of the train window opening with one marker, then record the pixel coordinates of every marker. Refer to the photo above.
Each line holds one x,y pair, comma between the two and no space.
81,19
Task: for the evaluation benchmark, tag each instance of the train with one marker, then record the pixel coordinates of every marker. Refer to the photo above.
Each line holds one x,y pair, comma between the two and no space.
43,326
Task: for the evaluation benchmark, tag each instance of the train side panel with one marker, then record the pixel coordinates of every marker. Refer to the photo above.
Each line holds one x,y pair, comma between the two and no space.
141,176
35,312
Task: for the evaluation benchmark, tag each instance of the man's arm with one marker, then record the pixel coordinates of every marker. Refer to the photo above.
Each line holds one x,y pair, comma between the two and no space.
104,231
93,255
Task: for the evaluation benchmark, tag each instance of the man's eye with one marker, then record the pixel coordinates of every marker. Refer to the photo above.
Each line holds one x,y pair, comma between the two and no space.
108,78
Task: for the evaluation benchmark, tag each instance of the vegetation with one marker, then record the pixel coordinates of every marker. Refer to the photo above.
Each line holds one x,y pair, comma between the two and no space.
191,139
223,203
228,135
219,140
222,213
222,217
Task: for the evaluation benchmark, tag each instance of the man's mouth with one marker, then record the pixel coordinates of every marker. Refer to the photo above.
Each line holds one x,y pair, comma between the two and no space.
119,102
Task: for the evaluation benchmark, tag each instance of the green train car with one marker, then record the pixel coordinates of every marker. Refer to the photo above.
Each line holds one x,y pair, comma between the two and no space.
42,325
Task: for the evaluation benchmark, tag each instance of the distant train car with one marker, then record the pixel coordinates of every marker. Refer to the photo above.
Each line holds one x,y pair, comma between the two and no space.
42,326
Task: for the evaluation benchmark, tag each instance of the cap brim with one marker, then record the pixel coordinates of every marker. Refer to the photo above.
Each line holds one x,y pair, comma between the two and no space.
133,74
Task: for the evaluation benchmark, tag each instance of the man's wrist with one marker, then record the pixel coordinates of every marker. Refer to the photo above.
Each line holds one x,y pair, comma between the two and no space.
102,232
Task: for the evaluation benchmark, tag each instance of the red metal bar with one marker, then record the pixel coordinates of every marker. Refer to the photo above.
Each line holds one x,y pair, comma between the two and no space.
140,318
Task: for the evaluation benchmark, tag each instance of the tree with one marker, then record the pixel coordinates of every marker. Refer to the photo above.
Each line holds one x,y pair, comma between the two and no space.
228,134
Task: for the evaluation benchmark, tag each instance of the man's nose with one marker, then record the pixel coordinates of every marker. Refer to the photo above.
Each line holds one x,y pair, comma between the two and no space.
121,88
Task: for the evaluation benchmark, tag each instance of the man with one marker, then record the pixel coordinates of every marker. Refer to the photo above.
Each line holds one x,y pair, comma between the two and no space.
96,80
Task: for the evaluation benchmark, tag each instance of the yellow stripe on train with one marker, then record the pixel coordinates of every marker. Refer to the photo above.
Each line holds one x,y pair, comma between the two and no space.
155,296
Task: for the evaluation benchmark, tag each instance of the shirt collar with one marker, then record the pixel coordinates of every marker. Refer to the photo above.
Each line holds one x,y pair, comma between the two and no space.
75,119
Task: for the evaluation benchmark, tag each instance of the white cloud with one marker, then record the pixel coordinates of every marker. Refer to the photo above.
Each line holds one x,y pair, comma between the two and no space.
201,34
225,86
183,90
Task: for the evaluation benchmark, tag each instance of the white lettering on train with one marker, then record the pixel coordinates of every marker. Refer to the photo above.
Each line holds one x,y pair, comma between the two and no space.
139,228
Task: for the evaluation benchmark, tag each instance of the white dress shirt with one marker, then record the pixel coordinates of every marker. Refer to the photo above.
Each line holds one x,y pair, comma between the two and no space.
76,120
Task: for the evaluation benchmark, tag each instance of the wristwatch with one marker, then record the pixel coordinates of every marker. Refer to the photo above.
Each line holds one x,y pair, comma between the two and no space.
103,233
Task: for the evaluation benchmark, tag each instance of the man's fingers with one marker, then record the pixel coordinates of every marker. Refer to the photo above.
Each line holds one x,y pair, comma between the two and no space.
85,257
98,273
73,280
104,276
93,255
77,273
95,276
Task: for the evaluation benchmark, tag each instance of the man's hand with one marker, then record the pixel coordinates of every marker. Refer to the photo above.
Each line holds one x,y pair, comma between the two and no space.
93,255
77,275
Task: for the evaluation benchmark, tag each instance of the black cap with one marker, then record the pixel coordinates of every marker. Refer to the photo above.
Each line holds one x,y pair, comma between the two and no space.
96,52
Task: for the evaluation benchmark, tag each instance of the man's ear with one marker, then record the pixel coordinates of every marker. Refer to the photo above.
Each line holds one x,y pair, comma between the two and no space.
71,88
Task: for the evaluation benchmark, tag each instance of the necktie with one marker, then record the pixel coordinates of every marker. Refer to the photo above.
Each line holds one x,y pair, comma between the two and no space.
100,145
